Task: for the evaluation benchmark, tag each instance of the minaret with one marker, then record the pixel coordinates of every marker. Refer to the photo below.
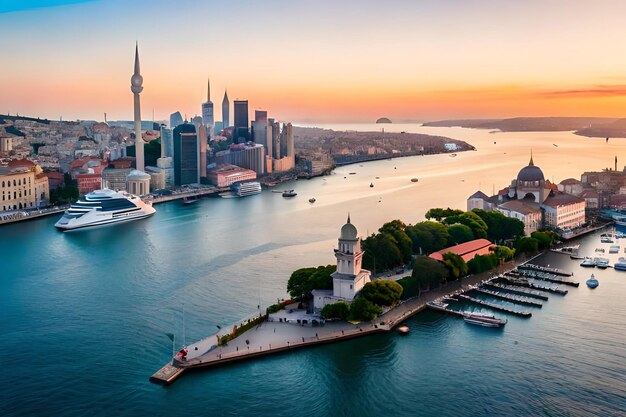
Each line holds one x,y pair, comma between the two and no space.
136,86
226,110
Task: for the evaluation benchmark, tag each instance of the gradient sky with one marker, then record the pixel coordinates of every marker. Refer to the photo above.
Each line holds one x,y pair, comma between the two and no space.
316,61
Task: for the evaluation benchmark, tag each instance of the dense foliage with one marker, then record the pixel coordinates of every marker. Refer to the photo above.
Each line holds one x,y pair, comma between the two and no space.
305,280
409,287
382,292
66,193
429,272
340,310
428,237
387,249
455,265
362,309
459,233
500,227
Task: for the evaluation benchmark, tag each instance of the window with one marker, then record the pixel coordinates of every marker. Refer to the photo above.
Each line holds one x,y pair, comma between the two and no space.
350,286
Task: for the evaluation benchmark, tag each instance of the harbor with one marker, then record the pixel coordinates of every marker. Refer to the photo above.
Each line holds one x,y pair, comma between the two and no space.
273,336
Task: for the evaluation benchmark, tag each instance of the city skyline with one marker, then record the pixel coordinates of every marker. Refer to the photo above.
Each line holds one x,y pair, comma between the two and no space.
322,62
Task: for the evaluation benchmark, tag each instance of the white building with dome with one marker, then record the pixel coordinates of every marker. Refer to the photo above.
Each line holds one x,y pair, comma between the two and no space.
350,277
535,201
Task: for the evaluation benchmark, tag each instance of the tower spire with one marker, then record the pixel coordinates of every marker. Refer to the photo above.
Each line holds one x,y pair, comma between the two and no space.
348,217
531,163
208,90
137,58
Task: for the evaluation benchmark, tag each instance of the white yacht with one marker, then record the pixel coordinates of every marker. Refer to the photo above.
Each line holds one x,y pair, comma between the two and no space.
103,207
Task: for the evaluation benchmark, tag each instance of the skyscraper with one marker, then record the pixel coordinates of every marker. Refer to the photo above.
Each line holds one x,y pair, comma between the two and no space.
136,83
176,119
186,155
207,109
275,139
241,131
262,134
225,111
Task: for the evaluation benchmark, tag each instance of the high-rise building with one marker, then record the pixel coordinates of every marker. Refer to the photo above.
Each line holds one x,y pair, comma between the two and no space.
202,143
275,138
250,156
262,134
225,111
136,82
186,152
196,121
241,133
207,109
167,142
176,119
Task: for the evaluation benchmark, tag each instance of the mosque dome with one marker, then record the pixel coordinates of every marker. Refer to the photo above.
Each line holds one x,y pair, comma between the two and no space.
137,175
348,231
530,173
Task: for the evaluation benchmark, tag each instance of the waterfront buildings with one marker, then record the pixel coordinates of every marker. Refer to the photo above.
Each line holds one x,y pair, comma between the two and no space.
349,278
241,133
115,178
225,111
224,175
186,158
138,182
23,185
245,155
535,201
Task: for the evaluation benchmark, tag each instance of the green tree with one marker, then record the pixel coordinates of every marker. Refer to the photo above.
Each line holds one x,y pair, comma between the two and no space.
459,233
428,237
439,213
504,253
429,272
298,283
381,252
455,265
396,228
362,309
500,227
545,239
321,279
528,245
382,292
482,263
409,287
472,220
340,310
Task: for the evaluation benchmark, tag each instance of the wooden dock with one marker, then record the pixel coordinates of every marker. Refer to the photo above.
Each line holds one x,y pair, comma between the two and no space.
518,291
167,374
508,297
549,270
493,306
544,277
526,284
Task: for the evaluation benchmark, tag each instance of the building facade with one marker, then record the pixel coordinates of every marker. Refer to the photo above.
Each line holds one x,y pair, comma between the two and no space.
241,131
225,111
225,175
23,185
249,156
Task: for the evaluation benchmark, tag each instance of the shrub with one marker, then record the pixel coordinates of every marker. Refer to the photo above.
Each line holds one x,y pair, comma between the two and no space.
409,287
364,310
339,310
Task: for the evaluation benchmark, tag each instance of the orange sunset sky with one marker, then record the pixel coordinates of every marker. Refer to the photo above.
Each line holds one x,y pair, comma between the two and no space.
323,61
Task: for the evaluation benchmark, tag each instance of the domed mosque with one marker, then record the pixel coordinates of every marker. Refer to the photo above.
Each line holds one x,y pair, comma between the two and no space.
535,201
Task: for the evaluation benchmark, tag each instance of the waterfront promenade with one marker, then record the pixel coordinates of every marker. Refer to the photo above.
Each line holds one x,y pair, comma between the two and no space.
22,215
274,337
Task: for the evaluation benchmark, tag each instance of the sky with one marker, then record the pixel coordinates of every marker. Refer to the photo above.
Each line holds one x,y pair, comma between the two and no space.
324,61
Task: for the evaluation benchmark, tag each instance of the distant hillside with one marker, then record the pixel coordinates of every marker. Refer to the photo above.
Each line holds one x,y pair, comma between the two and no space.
4,117
528,124
617,129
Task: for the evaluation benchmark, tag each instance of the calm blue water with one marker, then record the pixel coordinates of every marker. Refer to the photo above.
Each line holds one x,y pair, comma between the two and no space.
83,315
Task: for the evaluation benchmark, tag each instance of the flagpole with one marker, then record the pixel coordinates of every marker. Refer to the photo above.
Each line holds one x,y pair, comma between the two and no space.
173,347
184,344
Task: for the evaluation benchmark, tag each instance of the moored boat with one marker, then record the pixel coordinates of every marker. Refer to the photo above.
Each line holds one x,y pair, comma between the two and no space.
289,193
485,320
588,262
312,200
592,282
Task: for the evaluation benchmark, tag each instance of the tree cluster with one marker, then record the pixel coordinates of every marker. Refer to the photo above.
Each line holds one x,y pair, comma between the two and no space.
305,280
66,193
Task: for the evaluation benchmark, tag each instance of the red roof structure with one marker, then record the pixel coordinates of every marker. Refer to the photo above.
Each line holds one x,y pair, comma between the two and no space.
466,250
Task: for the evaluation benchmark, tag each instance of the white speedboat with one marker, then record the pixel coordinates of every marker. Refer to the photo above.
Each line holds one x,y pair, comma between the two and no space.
588,262
482,319
104,207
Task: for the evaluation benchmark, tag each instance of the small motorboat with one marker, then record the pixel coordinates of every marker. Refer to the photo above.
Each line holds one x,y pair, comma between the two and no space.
414,180
592,282
452,155
312,200
371,184
588,262
289,193
404,329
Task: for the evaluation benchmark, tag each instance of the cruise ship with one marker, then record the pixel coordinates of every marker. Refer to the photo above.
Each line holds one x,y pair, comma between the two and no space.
243,189
103,207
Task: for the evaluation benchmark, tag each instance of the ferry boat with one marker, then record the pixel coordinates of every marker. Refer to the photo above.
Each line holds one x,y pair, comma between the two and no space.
485,320
104,207
588,262
592,282
244,189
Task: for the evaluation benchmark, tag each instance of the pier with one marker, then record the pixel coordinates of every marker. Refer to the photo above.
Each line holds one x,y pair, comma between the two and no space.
526,284
23,215
494,306
546,277
539,268
517,291
508,297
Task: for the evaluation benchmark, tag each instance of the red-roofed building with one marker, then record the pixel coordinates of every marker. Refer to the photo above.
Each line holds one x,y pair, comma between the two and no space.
466,250
88,183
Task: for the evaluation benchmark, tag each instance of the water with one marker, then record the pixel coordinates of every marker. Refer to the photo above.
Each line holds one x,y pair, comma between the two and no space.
84,316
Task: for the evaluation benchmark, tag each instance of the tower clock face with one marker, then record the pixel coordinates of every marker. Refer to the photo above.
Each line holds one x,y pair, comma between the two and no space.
136,80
